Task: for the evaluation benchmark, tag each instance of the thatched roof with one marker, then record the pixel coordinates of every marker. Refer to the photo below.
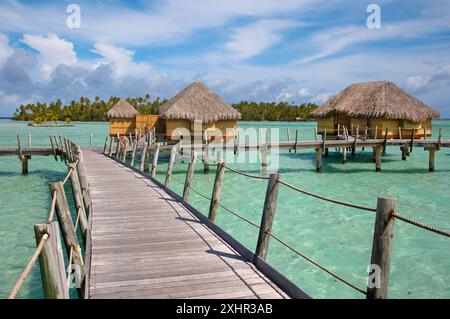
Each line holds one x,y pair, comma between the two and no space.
198,102
381,99
122,110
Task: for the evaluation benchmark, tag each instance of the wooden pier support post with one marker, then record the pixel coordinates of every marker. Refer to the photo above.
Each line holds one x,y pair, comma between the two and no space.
289,136
143,156
116,154
53,148
29,140
413,132
263,151
155,160
268,215
383,235
318,159
189,176
217,189
344,155
173,154
51,262
378,150
296,141
432,157
24,161
90,140
206,159
404,149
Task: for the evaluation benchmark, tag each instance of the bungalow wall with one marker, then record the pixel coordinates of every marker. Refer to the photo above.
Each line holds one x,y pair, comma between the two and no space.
217,130
121,126
330,124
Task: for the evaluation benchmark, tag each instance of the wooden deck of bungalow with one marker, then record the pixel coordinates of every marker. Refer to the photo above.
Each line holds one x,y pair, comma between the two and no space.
146,244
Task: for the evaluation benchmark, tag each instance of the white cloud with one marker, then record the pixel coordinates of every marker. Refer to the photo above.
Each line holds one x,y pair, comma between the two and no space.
334,40
122,60
255,38
322,97
304,93
428,83
53,49
5,49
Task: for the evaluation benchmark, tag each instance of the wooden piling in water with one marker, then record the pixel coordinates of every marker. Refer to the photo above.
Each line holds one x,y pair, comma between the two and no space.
344,155
206,159
431,159
189,176
268,215
378,151
318,159
133,152
51,262
381,249
216,192
404,149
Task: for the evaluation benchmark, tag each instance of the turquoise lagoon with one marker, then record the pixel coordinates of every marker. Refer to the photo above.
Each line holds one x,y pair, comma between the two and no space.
337,237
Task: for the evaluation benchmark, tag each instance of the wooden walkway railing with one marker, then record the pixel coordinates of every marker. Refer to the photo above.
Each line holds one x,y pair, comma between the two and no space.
57,279
385,213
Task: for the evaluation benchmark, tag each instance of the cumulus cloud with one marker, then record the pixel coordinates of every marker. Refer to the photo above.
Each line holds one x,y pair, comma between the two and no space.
14,74
5,49
428,83
122,60
52,49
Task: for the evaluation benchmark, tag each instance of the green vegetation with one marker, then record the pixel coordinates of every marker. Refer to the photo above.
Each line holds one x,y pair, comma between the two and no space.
86,110
271,111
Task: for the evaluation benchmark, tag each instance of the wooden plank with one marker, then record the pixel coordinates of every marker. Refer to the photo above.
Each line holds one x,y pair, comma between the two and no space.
163,246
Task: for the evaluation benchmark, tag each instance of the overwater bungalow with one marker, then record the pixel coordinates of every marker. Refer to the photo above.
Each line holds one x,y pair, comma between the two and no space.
198,103
124,119
375,107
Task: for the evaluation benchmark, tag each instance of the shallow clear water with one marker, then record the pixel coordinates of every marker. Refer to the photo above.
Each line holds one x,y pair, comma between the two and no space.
339,238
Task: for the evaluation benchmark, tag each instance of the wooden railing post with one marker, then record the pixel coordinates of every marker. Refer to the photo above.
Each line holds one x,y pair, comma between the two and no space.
143,156
155,160
29,140
189,176
217,189
53,148
67,226
173,153
133,152
78,199
106,145
51,262
116,154
380,263
111,141
90,141
270,204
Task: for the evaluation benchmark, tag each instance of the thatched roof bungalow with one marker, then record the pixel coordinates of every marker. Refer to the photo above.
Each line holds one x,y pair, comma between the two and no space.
376,106
198,103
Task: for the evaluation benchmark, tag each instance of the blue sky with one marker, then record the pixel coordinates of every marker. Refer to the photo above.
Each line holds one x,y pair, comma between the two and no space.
271,50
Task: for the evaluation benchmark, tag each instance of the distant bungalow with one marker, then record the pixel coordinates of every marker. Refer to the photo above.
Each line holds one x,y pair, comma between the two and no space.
178,115
377,106
125,120
198,103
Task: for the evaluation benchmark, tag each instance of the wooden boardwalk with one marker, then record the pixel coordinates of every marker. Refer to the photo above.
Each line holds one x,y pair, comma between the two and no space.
146,244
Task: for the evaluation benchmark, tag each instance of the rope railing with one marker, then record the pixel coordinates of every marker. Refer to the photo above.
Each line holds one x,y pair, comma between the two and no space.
246,174
284,243
28,268
326,198
420,225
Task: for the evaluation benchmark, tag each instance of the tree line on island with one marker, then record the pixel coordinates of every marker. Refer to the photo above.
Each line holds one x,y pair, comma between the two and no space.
85,110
